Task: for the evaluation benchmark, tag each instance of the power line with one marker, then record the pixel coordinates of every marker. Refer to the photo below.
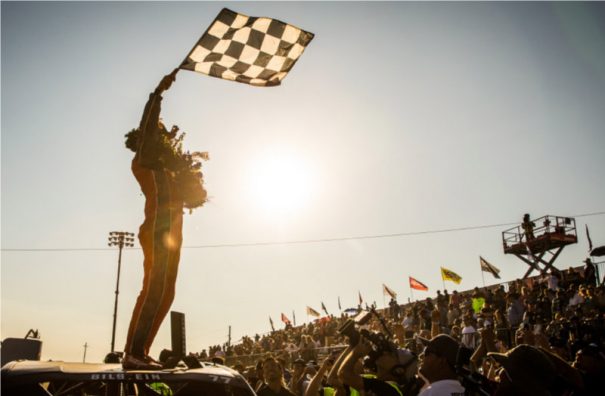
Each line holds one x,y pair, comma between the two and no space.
304,241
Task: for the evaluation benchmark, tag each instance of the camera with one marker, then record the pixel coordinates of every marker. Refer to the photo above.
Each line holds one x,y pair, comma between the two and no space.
380,342
349,329
475,383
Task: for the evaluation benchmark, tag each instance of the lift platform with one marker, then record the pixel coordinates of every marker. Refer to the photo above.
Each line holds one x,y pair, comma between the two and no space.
540,241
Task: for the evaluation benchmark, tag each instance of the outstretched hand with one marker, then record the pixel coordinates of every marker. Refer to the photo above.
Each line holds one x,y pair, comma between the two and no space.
167,81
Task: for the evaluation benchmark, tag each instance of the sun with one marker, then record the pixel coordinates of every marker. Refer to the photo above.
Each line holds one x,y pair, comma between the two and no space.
280,181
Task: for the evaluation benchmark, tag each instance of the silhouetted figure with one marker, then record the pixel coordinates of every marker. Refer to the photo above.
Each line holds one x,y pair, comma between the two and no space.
528,228
170,180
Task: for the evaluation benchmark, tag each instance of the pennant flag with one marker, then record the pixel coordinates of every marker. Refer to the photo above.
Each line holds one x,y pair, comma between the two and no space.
450,276
415,284
360,299
339,307
285,319
487,267
589,240
271,321
312,312
388,292
323,307
251,50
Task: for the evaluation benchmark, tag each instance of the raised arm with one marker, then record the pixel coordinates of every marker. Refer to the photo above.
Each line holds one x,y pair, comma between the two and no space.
313,388
346,373
149,127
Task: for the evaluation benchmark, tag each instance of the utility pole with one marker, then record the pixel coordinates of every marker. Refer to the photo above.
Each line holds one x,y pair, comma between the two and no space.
120,239
85,348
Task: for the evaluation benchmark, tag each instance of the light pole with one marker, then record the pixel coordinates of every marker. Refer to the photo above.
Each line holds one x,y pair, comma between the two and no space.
120,239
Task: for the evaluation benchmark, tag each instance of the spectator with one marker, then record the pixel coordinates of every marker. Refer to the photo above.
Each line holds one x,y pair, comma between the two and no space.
395,371
590,275
590,361
514,310
452,314
553,280
528,228
296,381
438,366
455,298
274,381
525,371
307,348
576,297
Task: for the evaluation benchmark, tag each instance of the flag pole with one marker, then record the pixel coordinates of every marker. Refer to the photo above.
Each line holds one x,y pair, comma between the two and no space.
483,278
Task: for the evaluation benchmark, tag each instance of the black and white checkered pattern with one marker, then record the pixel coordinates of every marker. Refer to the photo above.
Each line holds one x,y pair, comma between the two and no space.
256,51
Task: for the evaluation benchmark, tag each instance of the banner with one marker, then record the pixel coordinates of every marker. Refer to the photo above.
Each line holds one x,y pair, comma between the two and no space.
388,292
285,319
415,284
487,267
450,276
312,312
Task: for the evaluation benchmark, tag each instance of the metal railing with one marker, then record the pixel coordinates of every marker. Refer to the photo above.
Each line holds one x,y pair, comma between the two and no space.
542,226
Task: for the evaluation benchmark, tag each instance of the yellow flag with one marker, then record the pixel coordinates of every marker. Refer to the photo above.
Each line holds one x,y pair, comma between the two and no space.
450,276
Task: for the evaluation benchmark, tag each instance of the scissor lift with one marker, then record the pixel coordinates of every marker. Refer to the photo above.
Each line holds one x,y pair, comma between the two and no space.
543,245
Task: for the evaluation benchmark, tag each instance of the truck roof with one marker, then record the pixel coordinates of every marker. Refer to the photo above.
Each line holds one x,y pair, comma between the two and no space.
25,375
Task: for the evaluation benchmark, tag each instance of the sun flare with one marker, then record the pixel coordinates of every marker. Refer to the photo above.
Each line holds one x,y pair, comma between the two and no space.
280,182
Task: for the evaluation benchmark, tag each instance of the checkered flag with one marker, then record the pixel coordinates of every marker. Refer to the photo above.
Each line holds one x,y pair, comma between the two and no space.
251,50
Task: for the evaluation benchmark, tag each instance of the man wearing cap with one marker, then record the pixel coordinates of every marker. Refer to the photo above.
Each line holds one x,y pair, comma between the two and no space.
438,367
395,372
525,371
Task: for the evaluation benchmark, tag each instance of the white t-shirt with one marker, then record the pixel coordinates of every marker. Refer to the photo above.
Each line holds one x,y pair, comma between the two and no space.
447,387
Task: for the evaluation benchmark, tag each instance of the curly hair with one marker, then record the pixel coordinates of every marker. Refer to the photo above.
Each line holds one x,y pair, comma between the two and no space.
167,149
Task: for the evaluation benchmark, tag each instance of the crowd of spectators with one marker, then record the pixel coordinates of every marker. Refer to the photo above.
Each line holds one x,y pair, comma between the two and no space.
559,316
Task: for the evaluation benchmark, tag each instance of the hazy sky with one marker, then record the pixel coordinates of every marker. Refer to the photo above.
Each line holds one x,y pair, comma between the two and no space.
398,118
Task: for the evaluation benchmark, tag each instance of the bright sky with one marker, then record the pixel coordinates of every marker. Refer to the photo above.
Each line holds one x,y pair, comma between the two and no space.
398,118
